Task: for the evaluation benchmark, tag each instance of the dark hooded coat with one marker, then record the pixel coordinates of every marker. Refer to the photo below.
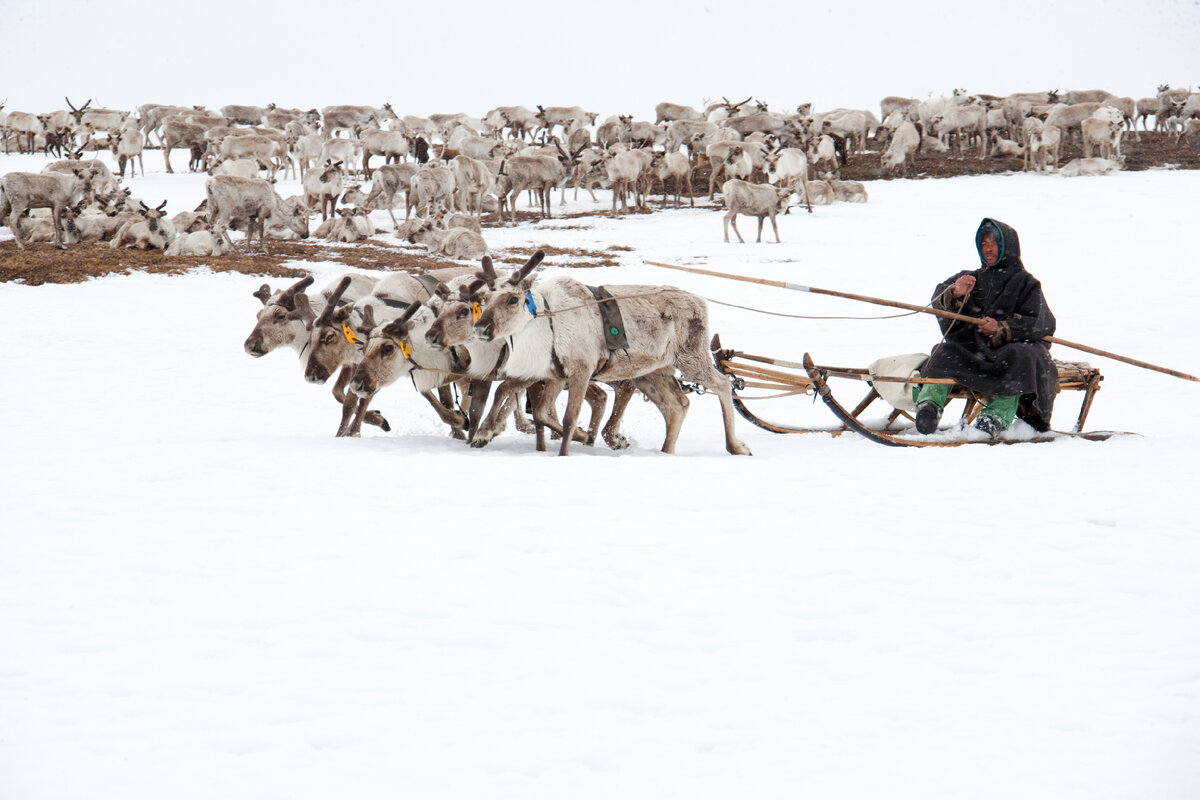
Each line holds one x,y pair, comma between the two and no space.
1014,361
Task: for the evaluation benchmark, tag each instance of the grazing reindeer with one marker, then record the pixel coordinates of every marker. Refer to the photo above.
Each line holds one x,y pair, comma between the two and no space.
387,181
753,200
322,186
252,201
125,145
678,167
540,173
20,191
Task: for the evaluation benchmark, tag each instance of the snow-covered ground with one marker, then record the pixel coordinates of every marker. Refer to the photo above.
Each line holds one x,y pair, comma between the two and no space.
204,594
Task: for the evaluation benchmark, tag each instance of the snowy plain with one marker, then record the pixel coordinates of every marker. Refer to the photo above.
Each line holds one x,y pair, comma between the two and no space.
204,594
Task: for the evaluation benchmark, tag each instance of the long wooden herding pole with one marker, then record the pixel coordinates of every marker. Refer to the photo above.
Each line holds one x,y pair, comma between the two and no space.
924,310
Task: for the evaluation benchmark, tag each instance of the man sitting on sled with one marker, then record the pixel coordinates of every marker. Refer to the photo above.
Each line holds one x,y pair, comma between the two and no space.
1003,356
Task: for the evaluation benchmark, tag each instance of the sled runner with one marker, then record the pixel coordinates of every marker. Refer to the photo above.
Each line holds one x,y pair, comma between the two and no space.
757,379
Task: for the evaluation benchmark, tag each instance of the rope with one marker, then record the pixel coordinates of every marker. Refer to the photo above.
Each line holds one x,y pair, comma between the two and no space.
804,316
591,303
720,303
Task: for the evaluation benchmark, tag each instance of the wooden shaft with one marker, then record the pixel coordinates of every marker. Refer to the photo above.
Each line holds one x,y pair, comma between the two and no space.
925,310
1126,359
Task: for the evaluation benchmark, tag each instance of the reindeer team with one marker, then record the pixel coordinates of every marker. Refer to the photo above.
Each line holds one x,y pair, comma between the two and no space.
450,328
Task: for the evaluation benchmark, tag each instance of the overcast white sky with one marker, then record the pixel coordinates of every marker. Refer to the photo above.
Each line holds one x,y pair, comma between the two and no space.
618,56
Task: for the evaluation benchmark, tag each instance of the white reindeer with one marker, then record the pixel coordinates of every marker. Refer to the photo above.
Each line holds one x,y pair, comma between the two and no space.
665,328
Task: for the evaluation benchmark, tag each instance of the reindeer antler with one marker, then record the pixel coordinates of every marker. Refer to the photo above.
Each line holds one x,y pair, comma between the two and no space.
288,298
529,267
558,147
467,292
327,313
488,273
368,320
399,326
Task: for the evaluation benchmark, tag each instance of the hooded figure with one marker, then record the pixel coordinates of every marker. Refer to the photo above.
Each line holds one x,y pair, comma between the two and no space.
1011,364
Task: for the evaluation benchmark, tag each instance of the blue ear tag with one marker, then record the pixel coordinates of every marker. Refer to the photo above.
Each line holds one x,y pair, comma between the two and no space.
529,304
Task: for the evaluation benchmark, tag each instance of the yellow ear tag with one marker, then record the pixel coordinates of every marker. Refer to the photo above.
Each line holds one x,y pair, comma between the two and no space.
476,311
349,334
405,348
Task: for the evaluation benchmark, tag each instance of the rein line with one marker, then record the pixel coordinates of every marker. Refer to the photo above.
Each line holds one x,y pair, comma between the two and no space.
804,316
591,303
720,303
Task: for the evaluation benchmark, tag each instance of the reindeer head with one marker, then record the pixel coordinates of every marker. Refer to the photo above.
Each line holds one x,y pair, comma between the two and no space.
511,307
77,113
456,314
329,344
386,356
282,321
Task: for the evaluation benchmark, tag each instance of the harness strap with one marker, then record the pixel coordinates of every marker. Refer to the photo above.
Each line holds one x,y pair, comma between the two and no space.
610,316
428,282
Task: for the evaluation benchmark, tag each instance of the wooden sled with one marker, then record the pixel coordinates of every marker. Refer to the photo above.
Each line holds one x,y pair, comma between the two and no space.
757,379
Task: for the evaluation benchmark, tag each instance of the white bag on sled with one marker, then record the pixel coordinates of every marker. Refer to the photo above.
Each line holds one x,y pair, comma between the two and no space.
897,394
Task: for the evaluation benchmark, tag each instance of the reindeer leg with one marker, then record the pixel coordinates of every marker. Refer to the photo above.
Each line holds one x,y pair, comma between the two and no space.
622,394
451,416
523,423
598,400
339,393
576,389
58,237
733,222
663,390
360,412
478,392
349,411
699,370
537,394
493,424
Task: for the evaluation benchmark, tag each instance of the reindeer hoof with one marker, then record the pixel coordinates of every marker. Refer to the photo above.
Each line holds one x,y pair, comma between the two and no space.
616,441
383,423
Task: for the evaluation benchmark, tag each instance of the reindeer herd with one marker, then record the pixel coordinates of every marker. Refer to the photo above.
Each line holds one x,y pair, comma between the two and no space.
462,167
467,328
